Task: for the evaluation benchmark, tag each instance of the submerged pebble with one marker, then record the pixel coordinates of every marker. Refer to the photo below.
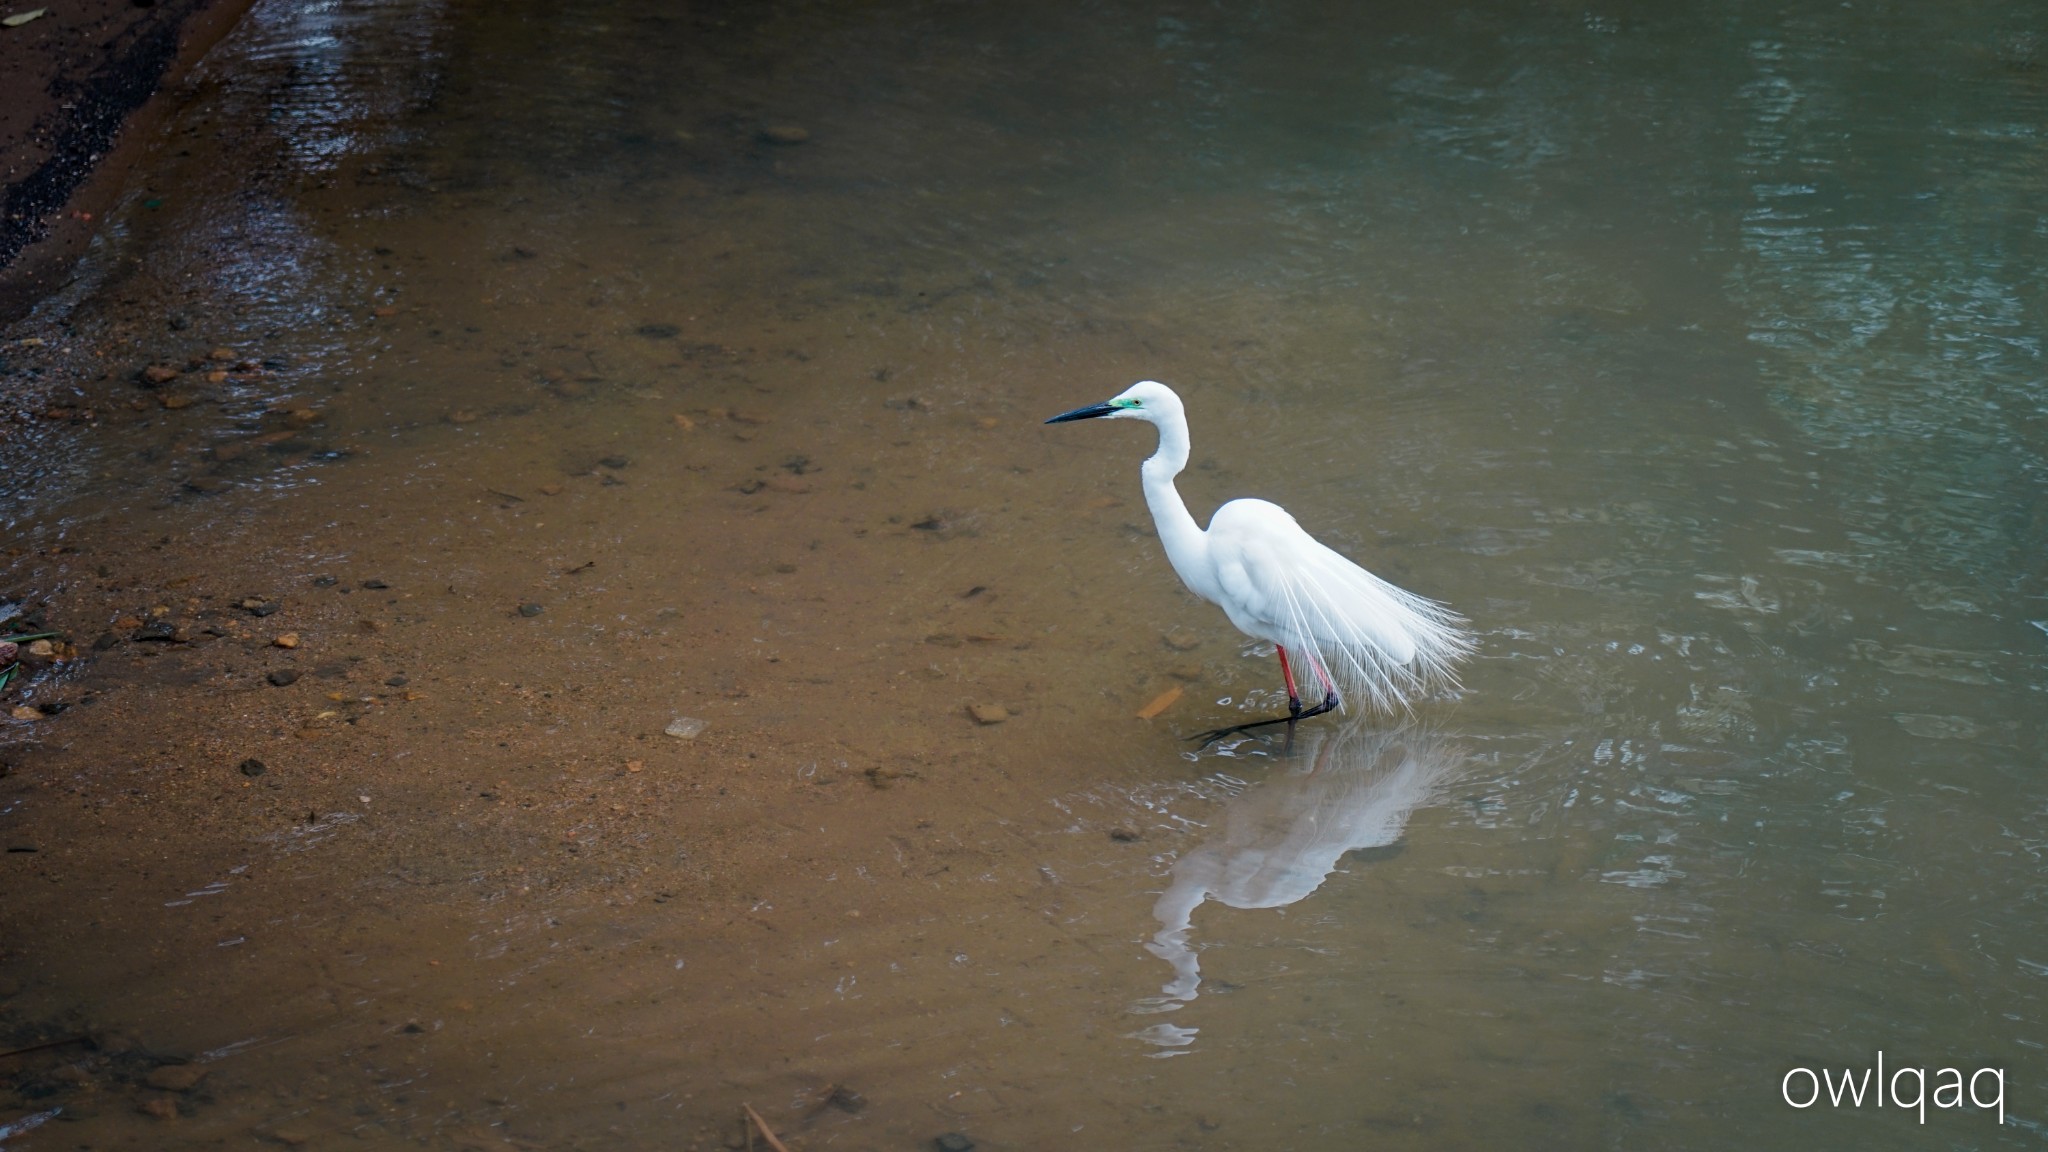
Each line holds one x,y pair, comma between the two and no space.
175,1077
988,713
686,727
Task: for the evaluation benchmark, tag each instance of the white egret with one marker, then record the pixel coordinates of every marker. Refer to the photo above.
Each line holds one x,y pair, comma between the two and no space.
1276,582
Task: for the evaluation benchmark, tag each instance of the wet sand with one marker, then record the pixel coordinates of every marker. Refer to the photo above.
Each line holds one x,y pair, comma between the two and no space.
78,103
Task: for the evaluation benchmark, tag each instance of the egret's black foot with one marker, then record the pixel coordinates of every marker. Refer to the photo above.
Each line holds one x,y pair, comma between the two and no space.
1294,712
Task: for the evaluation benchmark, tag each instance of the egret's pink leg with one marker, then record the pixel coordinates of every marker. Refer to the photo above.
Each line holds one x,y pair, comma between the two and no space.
1287,674
1294,708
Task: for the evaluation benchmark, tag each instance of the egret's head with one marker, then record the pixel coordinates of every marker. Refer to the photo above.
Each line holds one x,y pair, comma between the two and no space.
1146,400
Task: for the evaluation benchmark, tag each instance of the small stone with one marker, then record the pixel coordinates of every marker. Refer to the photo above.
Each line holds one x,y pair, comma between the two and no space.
530,610
684,422
107,640
174,400
161,630
156,375
255,607
1124,834
221,354
635,765
459,416
175,1077
217,376
53,707
8,651
161,1107
253,767
290,1137
324,581
549,489
41,650
284,677
24,712
207,485
1182,640
302,417
686,727
287,640
953,1142
615,462
396,682
988,713
784,134
747,416
375,585
384,311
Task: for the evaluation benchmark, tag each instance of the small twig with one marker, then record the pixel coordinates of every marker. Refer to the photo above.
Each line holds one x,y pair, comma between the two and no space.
506,496
46,1045
767,1133
580,567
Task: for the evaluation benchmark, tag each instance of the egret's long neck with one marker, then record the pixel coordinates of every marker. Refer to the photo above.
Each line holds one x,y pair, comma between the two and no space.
1186,545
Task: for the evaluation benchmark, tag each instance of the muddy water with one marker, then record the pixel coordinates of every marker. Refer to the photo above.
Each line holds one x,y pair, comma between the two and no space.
1694,356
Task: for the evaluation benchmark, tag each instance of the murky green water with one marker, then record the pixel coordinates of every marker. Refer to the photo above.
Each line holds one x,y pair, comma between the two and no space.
1693,353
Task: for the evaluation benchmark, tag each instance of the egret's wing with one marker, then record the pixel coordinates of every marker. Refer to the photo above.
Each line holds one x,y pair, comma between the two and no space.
1375,640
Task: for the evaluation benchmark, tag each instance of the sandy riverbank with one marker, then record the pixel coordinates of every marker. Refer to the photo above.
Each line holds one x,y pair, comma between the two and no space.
80,95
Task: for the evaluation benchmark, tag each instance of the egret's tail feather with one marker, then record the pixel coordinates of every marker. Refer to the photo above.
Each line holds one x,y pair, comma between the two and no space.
1379,644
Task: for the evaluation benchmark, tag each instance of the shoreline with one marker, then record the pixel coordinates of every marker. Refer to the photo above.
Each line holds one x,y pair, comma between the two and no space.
80,87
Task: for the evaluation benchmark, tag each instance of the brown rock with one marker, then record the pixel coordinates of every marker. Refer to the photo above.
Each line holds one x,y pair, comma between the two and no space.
175,1077
221,354
174,400
287,640
161,1107
156,375
384,311
988,713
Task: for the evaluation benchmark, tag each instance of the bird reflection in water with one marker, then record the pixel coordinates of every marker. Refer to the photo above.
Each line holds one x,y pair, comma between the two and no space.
1336,790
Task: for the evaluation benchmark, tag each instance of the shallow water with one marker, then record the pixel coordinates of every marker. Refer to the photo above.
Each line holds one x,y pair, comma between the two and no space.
1695,356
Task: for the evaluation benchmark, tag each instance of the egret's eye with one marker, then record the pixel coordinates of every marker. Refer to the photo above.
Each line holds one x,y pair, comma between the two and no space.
1126,404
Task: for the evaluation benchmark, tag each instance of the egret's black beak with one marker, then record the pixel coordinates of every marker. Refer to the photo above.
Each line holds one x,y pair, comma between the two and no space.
1088,413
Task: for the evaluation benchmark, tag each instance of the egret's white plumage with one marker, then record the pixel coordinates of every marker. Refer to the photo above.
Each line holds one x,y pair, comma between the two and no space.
1368,638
